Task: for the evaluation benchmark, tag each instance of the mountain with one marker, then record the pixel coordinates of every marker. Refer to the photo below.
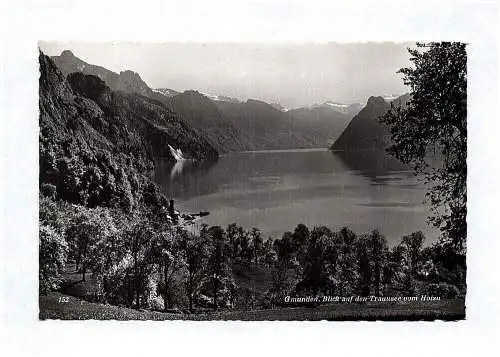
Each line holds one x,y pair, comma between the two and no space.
82,119
227,123
279,107
231,125
221,98
196,110
167,92
347,109
126,81
327,123
261,126
203,114
365,132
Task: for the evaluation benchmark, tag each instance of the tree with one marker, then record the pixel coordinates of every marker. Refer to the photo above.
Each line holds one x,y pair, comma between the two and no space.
140,238
300,241
245,251
170,260
195,250
218,263
88,227
378,250
364,268
270,256
413,244
257,244
234,239
315,274
395,271
52,257
346,275
435,120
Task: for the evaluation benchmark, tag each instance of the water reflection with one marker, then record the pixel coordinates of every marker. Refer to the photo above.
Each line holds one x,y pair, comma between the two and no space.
183,178
276,190
179,167
376,165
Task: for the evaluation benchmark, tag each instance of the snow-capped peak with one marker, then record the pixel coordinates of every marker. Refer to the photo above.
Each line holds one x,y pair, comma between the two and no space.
337,105
348,109
390,98
220,98
280,107
166,92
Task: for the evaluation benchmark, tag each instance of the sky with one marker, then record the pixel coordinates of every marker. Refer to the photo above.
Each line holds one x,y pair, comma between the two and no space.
293,75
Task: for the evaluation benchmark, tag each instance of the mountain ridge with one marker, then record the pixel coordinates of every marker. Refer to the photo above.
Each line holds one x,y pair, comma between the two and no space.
229,124
365,131
126,81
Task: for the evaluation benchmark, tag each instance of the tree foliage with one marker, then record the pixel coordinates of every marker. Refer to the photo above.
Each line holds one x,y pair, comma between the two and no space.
430,132
52,258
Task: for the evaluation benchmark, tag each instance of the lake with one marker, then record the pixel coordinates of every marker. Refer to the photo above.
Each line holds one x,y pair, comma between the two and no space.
276,190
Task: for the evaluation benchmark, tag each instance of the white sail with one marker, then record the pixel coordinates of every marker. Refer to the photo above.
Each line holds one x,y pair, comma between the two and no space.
177,154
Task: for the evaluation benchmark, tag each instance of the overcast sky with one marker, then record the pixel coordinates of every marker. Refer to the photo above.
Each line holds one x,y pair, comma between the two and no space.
290,74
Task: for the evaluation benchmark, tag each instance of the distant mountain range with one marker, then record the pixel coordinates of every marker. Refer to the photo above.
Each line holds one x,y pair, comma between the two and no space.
166,92
327,121
347,109
261,126
227,123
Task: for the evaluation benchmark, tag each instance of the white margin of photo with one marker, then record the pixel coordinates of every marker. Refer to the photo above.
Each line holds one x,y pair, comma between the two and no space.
26,22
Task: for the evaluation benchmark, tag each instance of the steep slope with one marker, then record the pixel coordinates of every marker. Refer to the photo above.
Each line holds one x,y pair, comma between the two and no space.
126,81
204,115
261,126
365,132
196,110
328,123
98,146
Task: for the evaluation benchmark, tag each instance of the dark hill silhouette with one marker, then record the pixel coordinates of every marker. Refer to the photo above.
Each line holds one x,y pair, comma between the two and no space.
365,132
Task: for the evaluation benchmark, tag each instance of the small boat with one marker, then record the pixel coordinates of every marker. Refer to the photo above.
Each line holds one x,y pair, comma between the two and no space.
176,153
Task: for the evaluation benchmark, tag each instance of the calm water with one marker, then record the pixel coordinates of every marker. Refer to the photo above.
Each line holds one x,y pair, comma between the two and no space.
276,190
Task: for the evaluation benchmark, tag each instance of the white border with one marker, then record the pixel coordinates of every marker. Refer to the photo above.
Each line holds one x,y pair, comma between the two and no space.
26,22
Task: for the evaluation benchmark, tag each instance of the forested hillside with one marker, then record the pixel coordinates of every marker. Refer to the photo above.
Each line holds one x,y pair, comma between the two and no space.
204,115
96,144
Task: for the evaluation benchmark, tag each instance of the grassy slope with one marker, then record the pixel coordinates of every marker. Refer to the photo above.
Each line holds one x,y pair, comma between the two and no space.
253,278
76,309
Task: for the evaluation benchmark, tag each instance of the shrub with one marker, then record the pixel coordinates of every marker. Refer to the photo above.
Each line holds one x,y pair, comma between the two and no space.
53,255
443,290
48,190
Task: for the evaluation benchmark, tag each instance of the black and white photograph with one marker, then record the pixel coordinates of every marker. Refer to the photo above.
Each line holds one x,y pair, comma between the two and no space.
249,178
252,181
